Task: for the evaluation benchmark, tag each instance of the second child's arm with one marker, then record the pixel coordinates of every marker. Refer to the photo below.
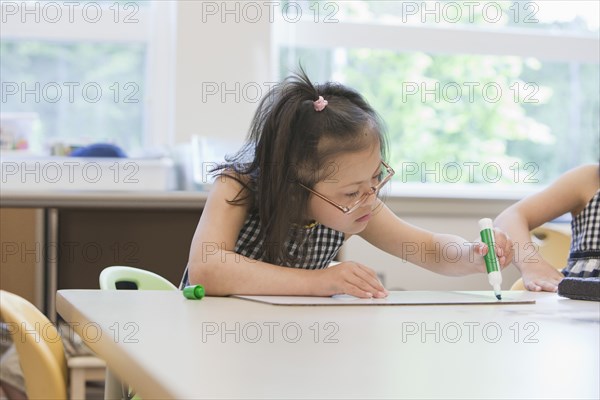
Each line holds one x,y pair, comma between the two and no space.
214,264
569,193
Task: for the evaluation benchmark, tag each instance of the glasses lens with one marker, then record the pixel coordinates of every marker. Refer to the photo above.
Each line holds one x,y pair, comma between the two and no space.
360,201
381,179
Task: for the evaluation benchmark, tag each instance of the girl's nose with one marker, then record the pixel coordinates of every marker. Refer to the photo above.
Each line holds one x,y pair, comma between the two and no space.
371,199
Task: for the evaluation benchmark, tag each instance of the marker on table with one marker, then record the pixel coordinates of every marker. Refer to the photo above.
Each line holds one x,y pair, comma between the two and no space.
492,265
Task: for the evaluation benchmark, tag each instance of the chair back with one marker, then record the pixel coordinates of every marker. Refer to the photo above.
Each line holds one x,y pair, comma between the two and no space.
39,346
122,277
554,245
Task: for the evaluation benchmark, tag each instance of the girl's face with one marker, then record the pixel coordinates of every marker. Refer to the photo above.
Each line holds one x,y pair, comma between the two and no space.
348,177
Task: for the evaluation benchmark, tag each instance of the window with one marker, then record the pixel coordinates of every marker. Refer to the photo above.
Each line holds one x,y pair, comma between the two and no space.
472,92
84,69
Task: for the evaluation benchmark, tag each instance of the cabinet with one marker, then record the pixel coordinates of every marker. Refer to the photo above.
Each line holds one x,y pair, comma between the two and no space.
64,240
90,240
21,259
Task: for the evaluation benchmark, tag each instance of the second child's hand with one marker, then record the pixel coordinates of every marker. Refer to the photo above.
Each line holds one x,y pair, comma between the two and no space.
348,277
540,276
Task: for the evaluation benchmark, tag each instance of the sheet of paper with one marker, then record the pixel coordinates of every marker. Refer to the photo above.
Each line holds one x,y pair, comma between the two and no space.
398,298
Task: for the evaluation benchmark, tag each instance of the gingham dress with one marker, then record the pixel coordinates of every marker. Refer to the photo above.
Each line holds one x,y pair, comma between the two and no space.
315,246
584,257
312,247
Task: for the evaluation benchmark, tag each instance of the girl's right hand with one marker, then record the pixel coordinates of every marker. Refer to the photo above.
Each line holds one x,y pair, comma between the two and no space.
351,278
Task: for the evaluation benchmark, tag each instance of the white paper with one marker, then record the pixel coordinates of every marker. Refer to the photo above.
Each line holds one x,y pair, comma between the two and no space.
398,298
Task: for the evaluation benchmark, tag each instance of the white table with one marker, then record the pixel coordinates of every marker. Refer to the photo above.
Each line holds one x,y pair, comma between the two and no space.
170,347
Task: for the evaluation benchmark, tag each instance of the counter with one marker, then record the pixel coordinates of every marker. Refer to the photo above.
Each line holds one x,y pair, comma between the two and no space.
79,233
104,199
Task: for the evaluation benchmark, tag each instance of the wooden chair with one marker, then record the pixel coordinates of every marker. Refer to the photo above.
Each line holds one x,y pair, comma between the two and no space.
81,370
40,348
42,354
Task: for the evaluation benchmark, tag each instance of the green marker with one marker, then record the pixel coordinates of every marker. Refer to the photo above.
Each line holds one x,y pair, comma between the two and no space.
492,265
194,292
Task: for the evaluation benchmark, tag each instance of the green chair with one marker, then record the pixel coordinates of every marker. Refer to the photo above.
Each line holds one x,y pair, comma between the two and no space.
119,277
128,278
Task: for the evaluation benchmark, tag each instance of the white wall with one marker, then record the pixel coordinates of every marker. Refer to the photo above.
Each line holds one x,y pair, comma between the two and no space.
231,56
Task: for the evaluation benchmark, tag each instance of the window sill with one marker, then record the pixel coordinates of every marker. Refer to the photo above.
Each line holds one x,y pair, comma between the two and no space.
460,191
453,200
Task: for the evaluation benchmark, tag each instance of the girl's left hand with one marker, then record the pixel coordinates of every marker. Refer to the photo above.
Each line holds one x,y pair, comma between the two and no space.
504,248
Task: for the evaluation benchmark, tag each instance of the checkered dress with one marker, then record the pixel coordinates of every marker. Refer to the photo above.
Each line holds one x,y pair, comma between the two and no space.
312,247
584,258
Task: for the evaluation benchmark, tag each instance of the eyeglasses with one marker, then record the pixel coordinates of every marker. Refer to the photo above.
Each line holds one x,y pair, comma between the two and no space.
373,190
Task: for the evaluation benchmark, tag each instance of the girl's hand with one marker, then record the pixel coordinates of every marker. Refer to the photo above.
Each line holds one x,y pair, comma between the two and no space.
503,248
351,278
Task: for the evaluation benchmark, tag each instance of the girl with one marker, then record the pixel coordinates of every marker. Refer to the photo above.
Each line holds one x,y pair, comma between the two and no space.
306,180
576,192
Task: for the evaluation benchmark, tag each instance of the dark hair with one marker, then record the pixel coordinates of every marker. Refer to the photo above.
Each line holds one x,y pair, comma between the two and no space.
290,142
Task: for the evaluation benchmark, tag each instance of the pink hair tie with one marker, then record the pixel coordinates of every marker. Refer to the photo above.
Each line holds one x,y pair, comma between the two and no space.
320,103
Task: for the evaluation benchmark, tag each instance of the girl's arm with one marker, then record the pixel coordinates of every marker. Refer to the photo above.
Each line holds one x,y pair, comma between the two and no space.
441,253
569,193
214,264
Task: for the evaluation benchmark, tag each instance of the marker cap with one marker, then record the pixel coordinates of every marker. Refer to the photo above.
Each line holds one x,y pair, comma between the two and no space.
193,292
486,223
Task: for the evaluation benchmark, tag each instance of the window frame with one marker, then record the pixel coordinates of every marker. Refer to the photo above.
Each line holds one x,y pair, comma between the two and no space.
456,40
155,27
545,45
